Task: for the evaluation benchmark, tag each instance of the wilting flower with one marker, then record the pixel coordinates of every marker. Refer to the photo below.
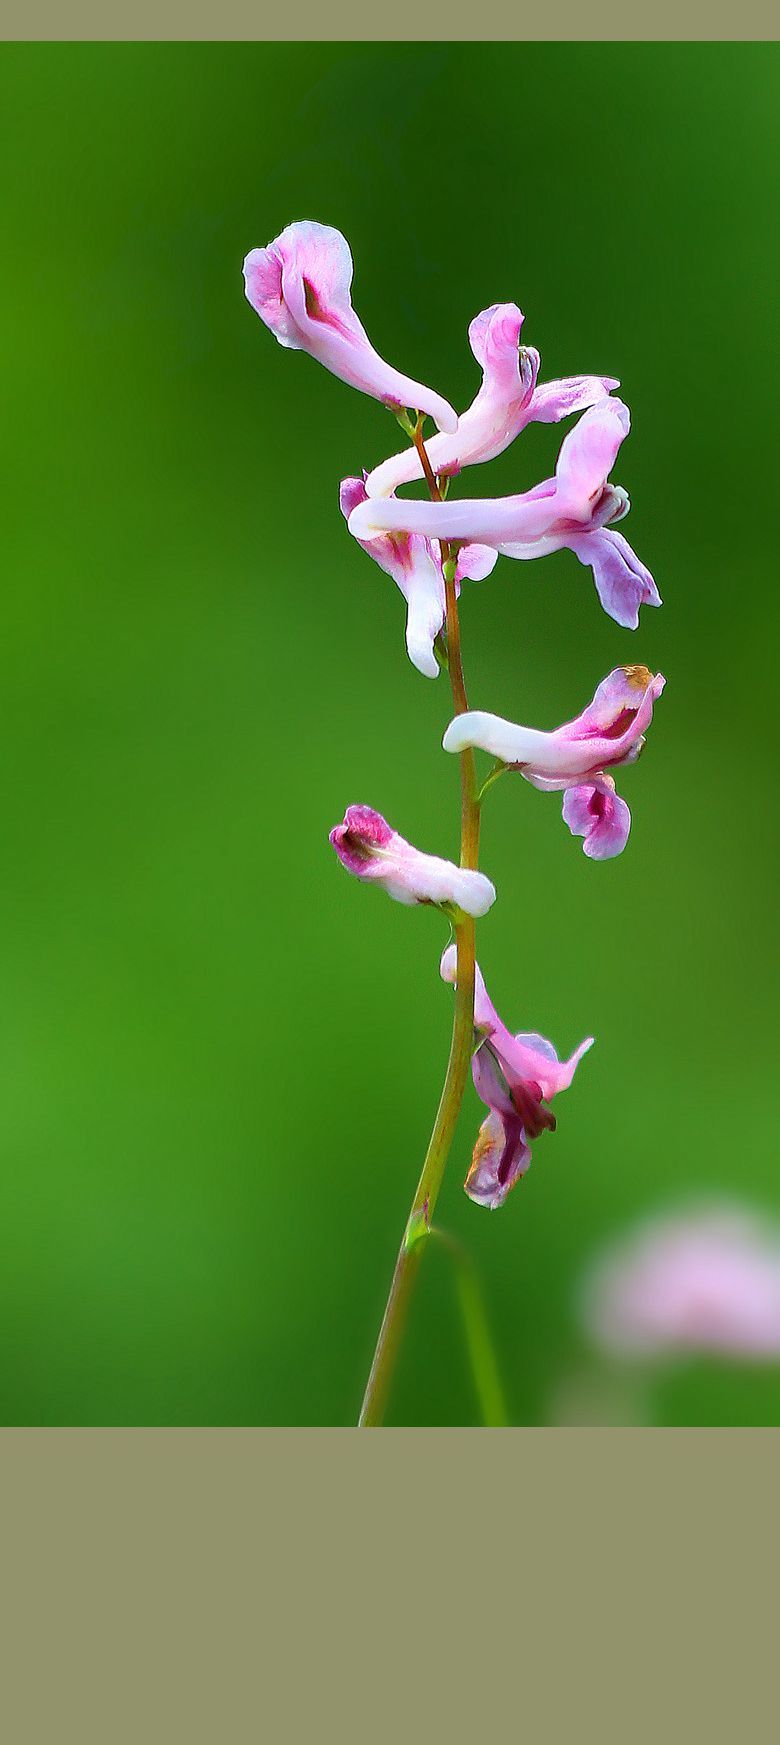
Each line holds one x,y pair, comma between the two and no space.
508,399
515,1077
414,563
572,509
300,287
707,1280
577,756
368,847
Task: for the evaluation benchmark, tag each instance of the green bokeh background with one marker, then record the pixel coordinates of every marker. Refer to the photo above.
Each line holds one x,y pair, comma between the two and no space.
220,1056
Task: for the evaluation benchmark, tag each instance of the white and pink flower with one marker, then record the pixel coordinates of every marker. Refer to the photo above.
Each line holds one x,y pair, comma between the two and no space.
370,849
516,1077
577,757
300,287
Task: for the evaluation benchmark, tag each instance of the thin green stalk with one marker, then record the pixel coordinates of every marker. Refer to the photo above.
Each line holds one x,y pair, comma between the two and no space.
419,1219
479,1342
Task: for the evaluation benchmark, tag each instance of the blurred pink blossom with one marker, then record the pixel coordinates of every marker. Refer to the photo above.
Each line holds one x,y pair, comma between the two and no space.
705,1280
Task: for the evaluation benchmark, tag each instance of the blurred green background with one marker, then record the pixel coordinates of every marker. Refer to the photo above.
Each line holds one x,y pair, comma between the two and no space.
220,1056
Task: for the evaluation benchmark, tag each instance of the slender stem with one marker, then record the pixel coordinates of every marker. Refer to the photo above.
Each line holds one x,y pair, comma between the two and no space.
484,1366
430,476
418,1222
499,769
419,1219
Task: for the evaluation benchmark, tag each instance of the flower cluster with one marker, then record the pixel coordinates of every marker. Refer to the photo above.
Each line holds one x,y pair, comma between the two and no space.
300,286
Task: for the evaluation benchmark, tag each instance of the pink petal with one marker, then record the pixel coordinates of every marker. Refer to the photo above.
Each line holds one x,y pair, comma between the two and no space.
501,1156
555,400
475,562
588,455
622,582
416,572
596,812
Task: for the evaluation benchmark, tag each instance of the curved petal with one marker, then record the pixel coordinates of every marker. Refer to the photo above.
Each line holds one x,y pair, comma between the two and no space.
553,401
527,1060
597,813
530,1059
622,582
503,739
490,521
588,455
501,1156
300,287
426,611
627,690
475,562
485,1015
416,572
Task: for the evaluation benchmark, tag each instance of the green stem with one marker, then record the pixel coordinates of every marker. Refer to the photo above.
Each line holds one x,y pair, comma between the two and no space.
479,1343
419,1219
499,769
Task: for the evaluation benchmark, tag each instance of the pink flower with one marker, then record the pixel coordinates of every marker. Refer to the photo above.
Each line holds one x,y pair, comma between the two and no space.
707,1280
508,399
572,509
414,563
368,847
300,287
576,757
515,1076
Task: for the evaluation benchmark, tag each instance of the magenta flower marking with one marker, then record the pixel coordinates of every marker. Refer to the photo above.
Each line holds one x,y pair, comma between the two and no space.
705,1280
576,757
368,847
573,509
515,1077
300,287
508,399
414,563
